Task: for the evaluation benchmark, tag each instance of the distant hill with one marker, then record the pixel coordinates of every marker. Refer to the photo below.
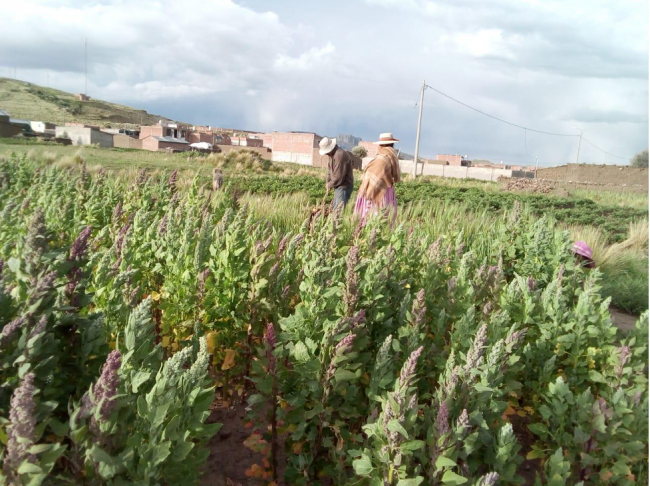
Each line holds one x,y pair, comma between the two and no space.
29,101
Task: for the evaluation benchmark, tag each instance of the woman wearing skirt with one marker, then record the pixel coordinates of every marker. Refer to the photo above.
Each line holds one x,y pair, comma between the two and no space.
377,189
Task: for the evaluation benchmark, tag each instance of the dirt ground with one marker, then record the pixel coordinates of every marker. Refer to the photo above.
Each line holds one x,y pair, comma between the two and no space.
623,320
229,458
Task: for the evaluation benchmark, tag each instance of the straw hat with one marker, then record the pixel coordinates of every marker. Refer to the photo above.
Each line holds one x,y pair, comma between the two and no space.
326,145
386,139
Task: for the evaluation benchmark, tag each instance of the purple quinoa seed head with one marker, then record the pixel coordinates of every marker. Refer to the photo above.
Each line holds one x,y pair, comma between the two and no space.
442,420
23,422
80,244
408,369
270,335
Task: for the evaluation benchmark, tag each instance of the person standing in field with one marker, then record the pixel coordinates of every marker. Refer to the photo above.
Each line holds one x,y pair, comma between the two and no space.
339,171
377,189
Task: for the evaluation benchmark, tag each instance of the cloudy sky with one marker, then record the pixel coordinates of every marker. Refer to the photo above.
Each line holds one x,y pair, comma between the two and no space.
356,66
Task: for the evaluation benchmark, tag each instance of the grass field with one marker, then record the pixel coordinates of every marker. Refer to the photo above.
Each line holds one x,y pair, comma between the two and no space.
32,102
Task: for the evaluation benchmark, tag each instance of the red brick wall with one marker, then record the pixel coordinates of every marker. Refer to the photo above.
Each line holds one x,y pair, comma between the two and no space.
182,147
124,141
371,147
149,143
149,131
267,139
196,137
452,159
302,143
254,142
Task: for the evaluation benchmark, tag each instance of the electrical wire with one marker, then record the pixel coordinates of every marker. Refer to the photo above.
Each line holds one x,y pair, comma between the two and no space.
500,119
605,151
526,129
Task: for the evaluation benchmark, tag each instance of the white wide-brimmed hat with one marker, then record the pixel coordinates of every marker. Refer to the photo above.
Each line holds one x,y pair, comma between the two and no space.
386,139
326,145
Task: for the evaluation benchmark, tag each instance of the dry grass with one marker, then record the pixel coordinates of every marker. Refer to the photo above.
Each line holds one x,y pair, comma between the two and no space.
624,265
615,258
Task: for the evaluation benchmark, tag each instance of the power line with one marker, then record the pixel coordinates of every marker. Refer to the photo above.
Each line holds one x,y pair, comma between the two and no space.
526,129
500,119
605,151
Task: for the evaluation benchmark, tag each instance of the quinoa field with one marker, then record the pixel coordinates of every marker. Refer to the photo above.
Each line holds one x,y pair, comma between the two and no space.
157,331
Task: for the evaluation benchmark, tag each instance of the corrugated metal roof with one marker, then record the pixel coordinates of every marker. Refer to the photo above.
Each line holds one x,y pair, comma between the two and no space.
170,139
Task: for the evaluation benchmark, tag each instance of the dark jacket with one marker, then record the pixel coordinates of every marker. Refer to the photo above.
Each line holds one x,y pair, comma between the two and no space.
339,169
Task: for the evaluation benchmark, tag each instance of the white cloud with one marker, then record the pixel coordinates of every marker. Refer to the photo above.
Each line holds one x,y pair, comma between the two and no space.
315,57
484,43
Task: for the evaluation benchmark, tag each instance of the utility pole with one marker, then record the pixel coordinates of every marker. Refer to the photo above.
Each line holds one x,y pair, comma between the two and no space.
579,143
417,137
536,165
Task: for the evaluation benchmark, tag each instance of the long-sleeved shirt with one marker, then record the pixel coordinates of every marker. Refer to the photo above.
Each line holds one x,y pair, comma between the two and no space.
339,169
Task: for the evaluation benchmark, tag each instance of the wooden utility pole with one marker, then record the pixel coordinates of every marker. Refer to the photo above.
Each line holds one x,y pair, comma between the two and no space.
417,137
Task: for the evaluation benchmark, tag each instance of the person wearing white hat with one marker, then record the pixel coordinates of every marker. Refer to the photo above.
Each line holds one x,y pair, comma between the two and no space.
339,171
377,189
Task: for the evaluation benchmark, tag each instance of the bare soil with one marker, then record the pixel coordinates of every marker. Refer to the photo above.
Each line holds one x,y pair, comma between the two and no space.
229,458
621,319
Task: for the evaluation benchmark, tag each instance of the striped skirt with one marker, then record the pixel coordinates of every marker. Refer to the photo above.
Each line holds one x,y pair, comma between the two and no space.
366,207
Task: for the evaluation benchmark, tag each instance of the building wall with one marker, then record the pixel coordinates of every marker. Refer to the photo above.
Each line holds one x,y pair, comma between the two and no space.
197,137
154,145
267,139
155,131
370,147
85,136
608,175
8,130
456,160
124,141
296,158
79,135
181,147
294,147
254,142
41,127
455,172
102,139
149,143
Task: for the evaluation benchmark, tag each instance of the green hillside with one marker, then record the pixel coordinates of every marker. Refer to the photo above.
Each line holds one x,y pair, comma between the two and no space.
32,102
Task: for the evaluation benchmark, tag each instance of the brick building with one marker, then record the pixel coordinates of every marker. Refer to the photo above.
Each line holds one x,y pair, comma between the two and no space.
81,134
163,130
122,140
456,160
297,147
156,144
7,129
196,137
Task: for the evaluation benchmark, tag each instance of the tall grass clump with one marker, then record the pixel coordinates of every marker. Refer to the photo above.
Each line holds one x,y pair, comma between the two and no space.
624,264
